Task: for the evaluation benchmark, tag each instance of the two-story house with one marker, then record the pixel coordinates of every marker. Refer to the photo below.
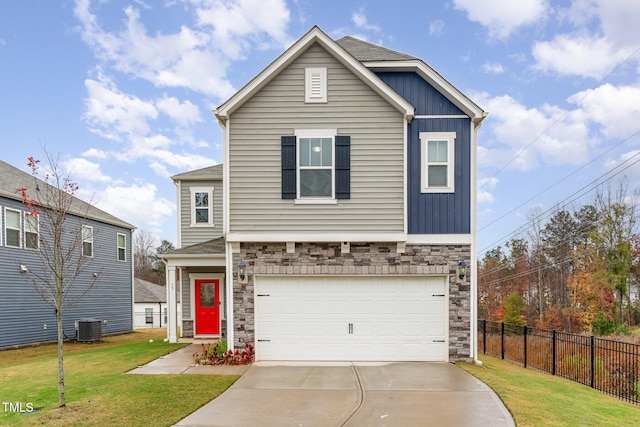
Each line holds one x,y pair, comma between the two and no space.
349,208
102,293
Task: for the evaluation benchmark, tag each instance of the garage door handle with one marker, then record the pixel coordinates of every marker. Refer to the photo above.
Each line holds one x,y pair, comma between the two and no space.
437,295
264,295
350,328
264,340
438,340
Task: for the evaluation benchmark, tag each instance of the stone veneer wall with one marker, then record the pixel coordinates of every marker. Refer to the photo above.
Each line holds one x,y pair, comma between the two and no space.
363,259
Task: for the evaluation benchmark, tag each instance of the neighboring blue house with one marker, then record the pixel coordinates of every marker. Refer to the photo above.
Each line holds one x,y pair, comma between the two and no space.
349,192
24,317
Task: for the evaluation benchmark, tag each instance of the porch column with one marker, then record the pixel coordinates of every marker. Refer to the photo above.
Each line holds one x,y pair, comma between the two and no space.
172,321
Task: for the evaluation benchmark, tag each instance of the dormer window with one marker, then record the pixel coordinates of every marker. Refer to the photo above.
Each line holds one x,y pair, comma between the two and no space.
315,85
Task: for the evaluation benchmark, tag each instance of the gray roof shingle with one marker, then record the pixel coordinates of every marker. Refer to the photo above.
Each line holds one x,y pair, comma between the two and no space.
144,291
365,51
210,172
12,179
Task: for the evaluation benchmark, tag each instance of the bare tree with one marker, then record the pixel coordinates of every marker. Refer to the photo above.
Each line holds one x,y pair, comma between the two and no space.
143,249
55,227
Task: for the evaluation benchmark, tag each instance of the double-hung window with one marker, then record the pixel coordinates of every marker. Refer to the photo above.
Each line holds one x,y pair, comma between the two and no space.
148,316
87,241
315,164
122,247
202,206
12,228
438,149
31,231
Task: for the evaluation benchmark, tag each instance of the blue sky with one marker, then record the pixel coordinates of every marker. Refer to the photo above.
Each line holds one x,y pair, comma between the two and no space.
123,90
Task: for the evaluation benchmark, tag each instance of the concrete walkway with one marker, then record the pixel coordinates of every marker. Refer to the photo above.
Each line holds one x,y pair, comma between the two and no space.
182,362
340,394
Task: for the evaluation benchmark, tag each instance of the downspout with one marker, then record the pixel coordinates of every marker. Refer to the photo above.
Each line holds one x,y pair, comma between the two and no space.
160,314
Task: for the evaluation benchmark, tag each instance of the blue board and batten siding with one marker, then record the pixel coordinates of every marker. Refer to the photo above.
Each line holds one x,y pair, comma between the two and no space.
23,313
434,213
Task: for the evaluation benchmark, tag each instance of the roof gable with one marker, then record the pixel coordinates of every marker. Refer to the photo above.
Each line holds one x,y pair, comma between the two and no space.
209,173
378,58
315,35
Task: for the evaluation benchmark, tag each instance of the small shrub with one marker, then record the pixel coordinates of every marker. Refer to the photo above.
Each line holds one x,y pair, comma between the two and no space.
217,354
602,326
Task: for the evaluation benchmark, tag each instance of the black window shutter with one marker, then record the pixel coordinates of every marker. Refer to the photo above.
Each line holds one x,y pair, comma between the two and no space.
343,167
288,153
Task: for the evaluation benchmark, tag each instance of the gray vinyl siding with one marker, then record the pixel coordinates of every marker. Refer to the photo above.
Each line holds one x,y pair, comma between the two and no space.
190,235
354,109
23,313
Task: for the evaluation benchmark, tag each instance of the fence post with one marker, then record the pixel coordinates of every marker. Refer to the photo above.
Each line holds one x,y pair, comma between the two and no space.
553,353
484,337
502,340
525,344
593,361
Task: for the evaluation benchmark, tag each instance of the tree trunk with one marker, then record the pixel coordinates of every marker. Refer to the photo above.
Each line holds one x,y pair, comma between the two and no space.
60,358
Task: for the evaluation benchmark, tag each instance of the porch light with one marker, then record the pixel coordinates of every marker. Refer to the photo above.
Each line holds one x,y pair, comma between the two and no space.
242,272
23,268
462,270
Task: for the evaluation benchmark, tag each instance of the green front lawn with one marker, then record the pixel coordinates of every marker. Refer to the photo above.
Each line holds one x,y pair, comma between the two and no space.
97,390
537,399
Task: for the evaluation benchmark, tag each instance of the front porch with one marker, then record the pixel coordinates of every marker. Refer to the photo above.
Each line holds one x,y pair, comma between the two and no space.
196,291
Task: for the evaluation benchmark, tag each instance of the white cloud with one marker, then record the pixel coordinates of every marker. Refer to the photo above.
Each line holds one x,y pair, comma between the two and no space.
137,204
236,25
436,28
183,113
615,109
604,34
502,17
485,185
493,68
585,56
82,170
361,22
525,137
114,114
194,58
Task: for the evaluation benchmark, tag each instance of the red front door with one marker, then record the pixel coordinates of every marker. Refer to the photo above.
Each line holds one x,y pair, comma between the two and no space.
207,307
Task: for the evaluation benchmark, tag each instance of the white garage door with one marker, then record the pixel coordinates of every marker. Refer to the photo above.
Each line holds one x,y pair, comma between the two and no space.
351,318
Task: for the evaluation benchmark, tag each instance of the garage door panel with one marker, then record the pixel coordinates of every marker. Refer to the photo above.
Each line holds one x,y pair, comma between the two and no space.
349,318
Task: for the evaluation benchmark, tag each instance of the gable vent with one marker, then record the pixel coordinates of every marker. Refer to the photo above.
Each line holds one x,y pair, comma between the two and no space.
315,85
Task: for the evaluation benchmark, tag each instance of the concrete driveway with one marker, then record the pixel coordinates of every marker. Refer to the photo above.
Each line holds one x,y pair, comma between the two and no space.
361,394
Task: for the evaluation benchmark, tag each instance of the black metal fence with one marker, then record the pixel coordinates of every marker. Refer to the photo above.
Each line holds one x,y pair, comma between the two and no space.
605,365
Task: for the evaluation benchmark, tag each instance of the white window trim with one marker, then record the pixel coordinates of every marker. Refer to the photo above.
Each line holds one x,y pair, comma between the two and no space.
316,133
309,95
83,240
118,247
37,217
20,237
425,137
193,191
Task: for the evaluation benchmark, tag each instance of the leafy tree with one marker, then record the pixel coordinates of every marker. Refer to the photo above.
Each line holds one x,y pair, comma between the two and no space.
51,204
514,309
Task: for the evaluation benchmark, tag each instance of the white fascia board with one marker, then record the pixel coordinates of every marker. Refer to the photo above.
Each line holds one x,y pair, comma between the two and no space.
452,93
439,239
316,237
200,260
315,35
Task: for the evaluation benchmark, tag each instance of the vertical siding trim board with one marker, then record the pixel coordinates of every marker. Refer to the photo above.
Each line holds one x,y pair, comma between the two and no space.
343,167
288,154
